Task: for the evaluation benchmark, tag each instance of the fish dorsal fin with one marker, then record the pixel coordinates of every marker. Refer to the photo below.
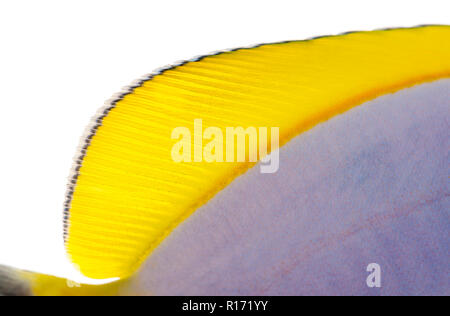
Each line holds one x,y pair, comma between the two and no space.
127,193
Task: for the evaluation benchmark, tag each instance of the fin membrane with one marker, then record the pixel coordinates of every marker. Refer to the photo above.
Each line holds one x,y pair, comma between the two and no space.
127,194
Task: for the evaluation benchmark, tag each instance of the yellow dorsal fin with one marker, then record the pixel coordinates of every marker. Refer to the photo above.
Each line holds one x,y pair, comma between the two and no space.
128,194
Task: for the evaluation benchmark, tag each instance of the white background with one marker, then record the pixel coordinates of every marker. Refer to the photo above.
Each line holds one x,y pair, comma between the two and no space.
60,60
